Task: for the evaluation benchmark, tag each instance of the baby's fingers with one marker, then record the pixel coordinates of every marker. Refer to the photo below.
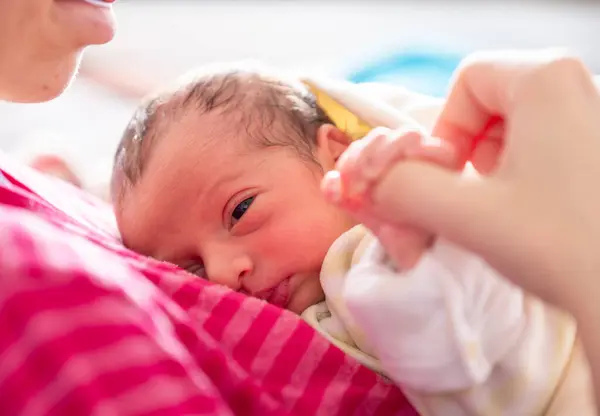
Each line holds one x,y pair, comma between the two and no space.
434,150
403,244
363,162
366,162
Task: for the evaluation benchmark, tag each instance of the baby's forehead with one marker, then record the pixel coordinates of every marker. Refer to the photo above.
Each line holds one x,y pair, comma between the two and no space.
203,127
216,140
209,169
244,123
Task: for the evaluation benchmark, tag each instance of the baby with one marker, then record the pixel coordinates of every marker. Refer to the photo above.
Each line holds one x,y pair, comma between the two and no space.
222,175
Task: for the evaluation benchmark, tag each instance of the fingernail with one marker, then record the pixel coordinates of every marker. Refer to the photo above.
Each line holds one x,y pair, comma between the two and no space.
332,186
431,141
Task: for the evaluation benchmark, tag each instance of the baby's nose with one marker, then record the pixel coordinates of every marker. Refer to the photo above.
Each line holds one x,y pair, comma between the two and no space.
229,272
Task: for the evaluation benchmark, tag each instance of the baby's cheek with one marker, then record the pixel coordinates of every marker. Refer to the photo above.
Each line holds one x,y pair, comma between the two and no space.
311,247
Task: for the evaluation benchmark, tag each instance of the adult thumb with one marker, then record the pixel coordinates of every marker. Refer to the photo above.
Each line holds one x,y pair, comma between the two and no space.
460,206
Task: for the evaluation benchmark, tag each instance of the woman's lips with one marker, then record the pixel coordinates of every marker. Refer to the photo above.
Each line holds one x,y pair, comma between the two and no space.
101,3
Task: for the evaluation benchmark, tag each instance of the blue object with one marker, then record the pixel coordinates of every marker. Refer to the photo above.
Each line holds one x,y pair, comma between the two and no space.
427,73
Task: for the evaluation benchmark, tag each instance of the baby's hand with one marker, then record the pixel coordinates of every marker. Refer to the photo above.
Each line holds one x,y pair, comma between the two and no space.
364,164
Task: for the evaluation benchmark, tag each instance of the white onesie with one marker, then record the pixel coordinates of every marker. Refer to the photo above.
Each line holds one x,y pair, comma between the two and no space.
456,336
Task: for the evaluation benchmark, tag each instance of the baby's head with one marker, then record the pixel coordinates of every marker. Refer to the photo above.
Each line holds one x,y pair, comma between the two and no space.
221,175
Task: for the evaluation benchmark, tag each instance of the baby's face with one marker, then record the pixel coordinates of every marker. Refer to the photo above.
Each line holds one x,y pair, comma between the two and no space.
252,219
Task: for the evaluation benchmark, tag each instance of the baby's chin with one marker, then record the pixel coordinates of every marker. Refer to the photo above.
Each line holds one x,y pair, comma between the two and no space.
305,291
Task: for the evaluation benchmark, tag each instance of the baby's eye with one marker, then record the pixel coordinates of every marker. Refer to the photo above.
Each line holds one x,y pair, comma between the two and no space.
241,209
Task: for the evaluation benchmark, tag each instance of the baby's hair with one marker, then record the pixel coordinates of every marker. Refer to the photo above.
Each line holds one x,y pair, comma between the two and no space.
268,107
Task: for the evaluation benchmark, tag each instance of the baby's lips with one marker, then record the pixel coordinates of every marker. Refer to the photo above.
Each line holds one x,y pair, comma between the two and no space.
263,294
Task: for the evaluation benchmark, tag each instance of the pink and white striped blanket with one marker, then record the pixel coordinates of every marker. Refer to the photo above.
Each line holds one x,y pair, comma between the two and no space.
90,328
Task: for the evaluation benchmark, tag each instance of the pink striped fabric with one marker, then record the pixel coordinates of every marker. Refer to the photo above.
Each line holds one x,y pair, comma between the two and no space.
90,328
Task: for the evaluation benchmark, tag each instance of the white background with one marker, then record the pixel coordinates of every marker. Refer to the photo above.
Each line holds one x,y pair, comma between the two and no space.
159,39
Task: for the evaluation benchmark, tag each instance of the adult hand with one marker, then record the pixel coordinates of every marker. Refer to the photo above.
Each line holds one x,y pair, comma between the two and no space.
535,213
364,164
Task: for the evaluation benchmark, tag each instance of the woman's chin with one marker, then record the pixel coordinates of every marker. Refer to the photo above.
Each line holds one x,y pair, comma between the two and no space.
47,83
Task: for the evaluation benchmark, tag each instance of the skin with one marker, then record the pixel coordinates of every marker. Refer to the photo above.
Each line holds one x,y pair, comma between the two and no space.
364,164
278,241
41,42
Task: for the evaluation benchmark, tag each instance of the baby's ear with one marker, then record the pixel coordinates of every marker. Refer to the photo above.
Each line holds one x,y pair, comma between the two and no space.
331,143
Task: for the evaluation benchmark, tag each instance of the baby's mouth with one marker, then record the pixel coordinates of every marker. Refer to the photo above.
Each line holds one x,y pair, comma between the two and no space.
278,295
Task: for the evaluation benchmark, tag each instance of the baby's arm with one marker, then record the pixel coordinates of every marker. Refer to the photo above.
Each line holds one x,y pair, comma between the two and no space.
442,323
440,327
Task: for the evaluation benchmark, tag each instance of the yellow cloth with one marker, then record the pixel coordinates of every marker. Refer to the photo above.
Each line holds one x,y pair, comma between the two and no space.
343,118
357,108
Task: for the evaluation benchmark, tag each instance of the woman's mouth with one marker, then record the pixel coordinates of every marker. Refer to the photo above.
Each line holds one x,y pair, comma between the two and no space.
101,3
88,22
